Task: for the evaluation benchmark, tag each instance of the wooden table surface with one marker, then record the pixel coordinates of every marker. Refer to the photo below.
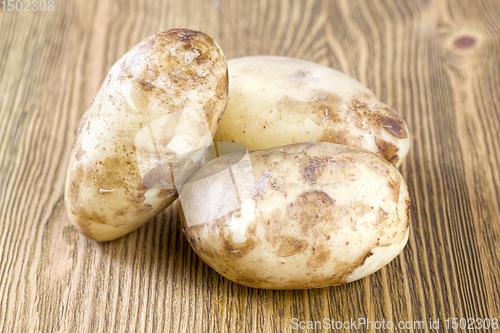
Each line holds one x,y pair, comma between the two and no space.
436,62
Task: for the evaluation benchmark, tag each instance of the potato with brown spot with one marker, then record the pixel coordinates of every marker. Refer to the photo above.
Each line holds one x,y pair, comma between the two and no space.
275,101
330,214
145,133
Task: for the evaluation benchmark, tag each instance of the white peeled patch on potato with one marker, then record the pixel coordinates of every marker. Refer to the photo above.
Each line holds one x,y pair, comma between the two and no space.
304,215
275,101
380,257
145,133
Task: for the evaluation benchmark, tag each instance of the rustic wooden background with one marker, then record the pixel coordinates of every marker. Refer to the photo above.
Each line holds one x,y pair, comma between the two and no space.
436,62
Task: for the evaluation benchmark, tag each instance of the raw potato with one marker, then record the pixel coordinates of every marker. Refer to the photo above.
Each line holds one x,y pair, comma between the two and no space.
305,215
145,133
275,101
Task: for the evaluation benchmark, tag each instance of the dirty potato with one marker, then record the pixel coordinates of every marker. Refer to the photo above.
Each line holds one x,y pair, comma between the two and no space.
145,132
275,101
304,215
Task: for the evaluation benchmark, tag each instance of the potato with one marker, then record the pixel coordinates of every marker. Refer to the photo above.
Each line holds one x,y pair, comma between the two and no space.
304,215
145,133
275,101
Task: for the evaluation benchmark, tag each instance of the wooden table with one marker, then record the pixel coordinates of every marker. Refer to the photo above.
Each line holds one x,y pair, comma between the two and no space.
436,62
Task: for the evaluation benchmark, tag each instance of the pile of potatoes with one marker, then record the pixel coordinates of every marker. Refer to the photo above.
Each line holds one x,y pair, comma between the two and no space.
299,190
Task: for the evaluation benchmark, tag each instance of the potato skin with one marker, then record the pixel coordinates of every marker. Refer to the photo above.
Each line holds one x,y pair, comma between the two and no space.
304,215
275,101
153,116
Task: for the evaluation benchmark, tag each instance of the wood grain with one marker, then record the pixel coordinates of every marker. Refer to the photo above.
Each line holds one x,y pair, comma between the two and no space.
436,62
